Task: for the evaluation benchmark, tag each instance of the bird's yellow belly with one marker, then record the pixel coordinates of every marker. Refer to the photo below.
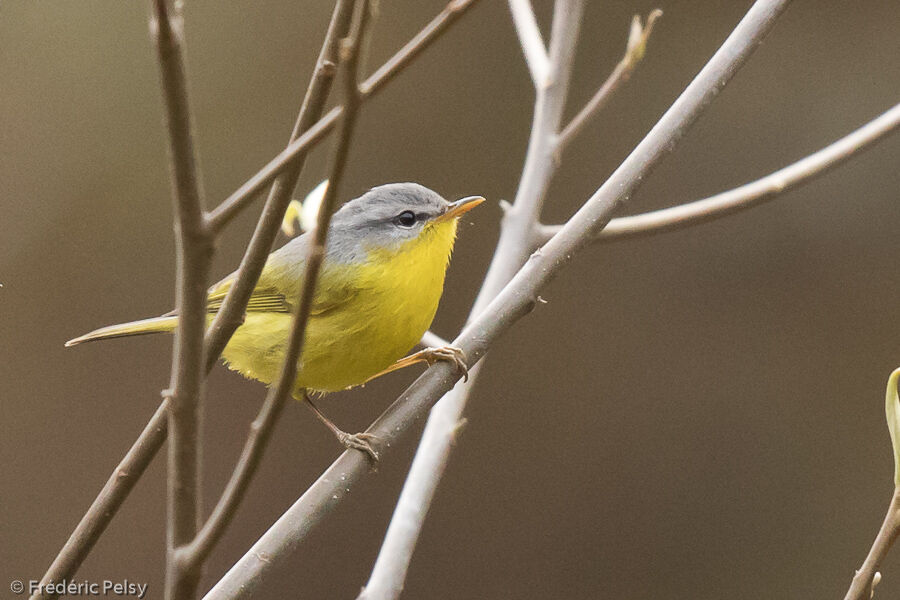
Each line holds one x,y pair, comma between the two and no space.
347,344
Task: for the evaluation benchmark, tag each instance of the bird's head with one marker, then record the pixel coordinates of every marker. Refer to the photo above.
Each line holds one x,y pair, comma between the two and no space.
394,217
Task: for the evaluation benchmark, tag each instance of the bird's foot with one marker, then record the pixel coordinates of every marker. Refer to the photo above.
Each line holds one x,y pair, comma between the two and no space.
355,441
359,441
449,354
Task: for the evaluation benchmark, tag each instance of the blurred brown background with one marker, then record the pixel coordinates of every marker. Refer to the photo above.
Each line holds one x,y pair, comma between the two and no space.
696,415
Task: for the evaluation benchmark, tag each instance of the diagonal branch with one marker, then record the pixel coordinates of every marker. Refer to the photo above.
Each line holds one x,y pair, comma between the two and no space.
516,300
530,39
746,196
122,480
194,255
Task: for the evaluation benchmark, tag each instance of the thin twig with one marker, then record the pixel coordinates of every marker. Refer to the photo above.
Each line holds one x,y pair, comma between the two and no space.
634,52
389,573
865,578
746,196
516,300
107,503
194,256
531,42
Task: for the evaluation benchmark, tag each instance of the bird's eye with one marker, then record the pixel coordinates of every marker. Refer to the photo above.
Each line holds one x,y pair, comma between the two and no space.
405,219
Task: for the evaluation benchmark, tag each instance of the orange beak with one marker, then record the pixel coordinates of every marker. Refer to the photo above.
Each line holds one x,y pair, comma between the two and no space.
459,208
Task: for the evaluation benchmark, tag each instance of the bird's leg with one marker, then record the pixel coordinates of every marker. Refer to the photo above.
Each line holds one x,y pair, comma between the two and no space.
430,356
356,441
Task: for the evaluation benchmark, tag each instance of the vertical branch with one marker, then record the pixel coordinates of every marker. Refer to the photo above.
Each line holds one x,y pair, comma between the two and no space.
194,254
514,245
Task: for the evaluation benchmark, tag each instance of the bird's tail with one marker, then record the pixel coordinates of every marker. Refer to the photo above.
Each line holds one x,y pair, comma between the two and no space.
163,324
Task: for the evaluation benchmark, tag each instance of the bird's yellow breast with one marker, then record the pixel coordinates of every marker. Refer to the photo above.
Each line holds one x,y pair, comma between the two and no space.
395,294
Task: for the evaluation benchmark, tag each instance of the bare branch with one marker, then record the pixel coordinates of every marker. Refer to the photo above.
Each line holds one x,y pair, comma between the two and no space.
516,299
107,503
260,245
530,39
746,196
634,52
194,256
414,47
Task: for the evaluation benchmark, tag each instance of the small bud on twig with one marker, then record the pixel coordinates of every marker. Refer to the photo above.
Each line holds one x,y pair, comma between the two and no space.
639,34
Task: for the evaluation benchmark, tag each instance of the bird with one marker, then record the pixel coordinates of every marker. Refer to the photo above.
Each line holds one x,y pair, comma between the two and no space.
378,290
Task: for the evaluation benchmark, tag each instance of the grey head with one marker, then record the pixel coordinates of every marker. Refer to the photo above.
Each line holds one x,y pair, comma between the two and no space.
386,216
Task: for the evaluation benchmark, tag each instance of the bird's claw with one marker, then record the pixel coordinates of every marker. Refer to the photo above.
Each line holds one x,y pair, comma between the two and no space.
449,354
359,441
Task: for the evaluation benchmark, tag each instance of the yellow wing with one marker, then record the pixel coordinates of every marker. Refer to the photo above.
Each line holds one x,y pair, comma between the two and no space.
277,292
263,299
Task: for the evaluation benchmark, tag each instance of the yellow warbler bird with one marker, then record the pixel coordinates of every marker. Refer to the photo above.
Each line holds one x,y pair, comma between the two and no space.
377,293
